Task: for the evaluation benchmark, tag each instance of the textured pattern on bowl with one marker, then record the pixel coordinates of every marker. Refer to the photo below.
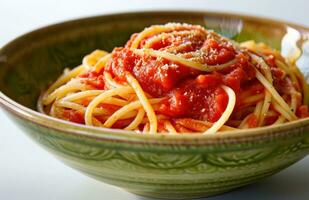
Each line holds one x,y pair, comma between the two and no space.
156,166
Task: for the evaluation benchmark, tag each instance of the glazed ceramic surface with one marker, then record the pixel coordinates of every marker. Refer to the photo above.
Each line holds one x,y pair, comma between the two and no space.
173,167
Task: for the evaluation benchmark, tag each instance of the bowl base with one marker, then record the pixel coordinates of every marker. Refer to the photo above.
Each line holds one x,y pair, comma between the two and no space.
175,195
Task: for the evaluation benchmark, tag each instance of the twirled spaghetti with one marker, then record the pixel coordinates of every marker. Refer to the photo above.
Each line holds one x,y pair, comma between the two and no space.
179,78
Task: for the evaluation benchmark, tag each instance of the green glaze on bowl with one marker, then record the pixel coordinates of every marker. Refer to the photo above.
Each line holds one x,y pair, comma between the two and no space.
162,166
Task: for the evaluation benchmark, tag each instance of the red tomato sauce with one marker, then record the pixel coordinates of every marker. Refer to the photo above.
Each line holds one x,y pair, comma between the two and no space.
190,93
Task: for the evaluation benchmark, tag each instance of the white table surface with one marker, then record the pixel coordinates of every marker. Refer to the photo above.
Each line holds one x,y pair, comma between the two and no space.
27,172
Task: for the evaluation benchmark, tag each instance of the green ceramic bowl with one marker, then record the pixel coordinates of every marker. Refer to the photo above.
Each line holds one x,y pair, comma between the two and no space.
162,166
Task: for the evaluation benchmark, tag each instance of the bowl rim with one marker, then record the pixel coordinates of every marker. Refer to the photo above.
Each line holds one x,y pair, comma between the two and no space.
99,133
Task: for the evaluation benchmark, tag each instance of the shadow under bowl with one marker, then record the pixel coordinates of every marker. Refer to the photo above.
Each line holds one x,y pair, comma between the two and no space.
161,166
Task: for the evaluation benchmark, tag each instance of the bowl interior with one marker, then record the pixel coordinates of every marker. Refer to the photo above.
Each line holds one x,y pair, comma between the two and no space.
31,62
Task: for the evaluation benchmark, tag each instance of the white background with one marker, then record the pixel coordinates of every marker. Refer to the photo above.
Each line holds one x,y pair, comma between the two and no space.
27,172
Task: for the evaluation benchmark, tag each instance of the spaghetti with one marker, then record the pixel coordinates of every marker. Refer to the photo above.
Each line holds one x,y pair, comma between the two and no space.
179,78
